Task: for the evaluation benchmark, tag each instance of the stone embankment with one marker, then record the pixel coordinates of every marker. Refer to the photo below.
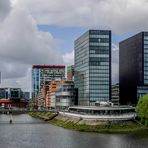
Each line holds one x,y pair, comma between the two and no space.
81,124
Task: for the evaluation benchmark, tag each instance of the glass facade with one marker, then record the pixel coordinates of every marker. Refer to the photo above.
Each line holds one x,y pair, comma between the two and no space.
40,74
93,66
11,93
145,58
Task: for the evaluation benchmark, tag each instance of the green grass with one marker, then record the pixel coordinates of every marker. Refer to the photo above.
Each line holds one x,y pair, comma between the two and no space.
42,115
103,128
127,127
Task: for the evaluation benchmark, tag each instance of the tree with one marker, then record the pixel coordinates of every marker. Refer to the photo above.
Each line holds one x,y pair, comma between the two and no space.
142,109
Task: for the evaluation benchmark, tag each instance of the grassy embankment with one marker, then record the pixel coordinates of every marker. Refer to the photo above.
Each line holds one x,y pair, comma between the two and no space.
107,127
46,116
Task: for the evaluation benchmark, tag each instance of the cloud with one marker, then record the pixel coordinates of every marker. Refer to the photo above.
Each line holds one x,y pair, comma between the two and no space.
26,44
68,58
120,16
115,63
5,8
24,82
22,45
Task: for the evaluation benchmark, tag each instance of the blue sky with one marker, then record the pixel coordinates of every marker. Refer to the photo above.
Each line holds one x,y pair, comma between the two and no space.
67,35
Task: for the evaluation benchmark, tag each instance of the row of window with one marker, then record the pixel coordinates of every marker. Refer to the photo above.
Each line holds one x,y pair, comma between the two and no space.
99,95
146,55
145,46
99,86
100,59
98,44
99,48
145,63
102,72
99,51
98,36
97,63
99,91
99,82
100,32
100,55
99,40
99,79
145,72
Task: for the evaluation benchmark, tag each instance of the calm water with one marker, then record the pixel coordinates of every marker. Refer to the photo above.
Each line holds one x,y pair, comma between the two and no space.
28,132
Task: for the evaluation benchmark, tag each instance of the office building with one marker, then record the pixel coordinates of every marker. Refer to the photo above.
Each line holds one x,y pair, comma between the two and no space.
11,93
133,68
92,67
42,73
12,97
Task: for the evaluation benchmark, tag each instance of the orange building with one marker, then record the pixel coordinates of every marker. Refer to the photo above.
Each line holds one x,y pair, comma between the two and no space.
53,89
44,96
50,95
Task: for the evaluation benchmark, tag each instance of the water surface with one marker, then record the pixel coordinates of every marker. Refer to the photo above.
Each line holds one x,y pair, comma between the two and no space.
28,132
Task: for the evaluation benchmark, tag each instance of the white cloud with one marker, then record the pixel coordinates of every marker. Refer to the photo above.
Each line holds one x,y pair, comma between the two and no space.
120,16
22,44
24,82
68,58
115,63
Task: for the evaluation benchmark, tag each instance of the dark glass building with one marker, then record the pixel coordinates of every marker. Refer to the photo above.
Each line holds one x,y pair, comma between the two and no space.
133,68
93,67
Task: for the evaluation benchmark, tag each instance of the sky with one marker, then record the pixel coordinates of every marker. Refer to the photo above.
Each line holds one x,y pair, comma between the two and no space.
43,32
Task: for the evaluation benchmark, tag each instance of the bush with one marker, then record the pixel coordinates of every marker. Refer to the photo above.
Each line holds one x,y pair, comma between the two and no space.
142,109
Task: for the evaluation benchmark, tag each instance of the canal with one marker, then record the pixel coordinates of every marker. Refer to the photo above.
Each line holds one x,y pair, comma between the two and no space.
28,132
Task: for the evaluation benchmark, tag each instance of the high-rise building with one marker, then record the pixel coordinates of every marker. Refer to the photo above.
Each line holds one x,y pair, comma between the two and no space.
133,68
70,73
42,73
93,67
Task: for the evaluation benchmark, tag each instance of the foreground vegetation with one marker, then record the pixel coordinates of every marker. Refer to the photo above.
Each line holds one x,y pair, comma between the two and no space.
103,128
108,127
142,110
